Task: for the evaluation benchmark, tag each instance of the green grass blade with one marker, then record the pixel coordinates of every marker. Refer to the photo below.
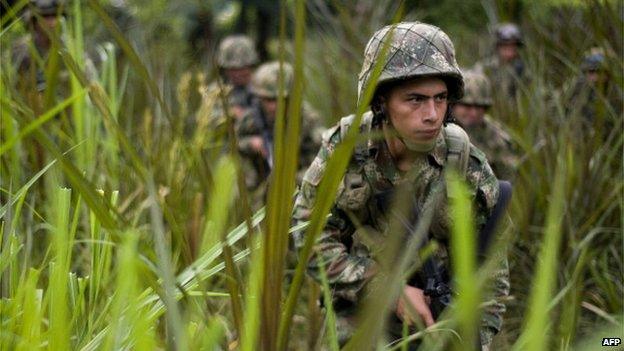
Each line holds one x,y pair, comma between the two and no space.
37,123
535,333
463,252
59,329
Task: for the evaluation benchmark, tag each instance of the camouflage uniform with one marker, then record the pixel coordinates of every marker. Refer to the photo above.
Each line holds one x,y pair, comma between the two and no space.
28,56
505,76
488,136
236,51
347,253
586,93
256,124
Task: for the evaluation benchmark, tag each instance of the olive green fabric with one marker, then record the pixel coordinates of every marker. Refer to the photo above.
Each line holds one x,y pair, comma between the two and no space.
356,229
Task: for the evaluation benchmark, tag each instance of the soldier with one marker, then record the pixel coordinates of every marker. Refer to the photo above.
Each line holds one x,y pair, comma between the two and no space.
485,133
30,52
419,78
255,130
236,58
593,82
505,68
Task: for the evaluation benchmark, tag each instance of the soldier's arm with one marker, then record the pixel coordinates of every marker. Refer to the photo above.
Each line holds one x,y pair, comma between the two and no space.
485,184
346,273
248,135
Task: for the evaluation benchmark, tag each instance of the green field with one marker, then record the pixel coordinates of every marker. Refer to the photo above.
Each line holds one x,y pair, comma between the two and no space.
124,222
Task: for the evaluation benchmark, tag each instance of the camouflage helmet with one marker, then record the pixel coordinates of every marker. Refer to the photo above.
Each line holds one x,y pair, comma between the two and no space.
594,60
44,8
508,33
48,7
477,89
415,50
265,81
236,51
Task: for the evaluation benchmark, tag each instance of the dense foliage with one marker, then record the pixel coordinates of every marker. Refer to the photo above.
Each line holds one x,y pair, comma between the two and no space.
122,221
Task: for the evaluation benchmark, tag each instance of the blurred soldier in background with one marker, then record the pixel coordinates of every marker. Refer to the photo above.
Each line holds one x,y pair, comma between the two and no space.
505,68
30,53
419,78
255,130
236,60
590,85
485,133
596,96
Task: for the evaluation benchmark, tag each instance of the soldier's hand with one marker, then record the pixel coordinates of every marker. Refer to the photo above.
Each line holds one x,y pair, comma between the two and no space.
257,145
418,301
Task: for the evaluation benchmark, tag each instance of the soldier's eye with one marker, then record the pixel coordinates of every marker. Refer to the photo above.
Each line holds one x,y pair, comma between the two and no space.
440,98
418,99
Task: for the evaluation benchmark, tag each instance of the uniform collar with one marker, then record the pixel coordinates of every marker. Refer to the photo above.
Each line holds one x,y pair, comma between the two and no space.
378,150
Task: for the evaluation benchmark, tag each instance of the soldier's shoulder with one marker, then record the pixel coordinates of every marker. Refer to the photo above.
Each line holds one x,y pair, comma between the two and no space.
486,64
22,42
497,130
20,49
340,129
477,156
213,88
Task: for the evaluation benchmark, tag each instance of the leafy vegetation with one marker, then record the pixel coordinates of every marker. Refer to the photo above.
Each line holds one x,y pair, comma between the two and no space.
124,224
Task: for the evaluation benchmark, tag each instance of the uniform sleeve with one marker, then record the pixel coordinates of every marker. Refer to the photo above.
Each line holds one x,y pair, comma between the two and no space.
347,274
487,193
246,130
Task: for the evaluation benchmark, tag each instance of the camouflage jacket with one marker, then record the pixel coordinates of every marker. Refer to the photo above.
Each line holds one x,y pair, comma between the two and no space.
239,99
497,145
253,124
348,269
505,77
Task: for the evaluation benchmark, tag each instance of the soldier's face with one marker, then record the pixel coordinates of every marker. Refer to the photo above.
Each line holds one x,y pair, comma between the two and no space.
416,109
469,115
507,52
269,107
238,76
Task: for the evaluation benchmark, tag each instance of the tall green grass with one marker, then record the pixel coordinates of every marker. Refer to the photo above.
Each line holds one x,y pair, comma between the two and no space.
122,230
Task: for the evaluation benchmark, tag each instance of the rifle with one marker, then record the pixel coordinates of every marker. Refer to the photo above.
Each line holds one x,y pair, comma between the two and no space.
434,278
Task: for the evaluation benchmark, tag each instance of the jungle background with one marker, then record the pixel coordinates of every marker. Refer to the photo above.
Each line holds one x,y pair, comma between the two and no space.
123,227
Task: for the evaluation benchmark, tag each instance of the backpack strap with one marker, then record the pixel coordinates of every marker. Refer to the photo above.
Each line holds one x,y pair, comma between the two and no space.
458,144
365,125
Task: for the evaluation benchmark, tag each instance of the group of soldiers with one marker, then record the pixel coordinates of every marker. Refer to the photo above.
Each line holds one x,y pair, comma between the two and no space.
420,92
431,117
252,93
